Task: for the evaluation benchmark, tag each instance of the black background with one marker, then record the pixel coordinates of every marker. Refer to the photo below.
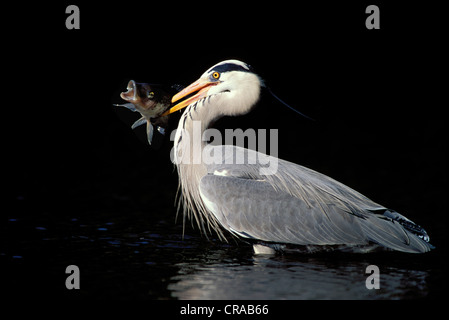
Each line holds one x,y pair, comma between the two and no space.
375,96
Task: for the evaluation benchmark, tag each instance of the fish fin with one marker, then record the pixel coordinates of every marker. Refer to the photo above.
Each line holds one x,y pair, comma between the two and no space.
150,131
161,130
139,122
129,106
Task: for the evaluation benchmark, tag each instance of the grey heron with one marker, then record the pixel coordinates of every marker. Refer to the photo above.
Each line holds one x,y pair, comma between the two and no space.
294,205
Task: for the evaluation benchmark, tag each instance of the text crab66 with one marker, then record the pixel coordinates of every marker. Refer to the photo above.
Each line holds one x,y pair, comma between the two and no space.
246,309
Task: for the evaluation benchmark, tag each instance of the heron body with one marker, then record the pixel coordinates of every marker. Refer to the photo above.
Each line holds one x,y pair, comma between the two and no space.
292,205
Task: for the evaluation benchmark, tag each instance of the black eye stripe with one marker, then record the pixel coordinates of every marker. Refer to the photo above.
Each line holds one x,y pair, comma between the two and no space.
230,67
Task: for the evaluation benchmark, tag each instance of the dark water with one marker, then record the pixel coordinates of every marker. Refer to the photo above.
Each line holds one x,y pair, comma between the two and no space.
138,257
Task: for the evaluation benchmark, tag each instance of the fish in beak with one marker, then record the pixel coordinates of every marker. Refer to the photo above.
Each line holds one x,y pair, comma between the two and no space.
151,101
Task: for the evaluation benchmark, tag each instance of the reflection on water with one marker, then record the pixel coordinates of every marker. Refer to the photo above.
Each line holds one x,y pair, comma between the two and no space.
216,276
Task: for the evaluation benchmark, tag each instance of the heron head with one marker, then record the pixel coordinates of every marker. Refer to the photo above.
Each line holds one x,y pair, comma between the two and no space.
232,85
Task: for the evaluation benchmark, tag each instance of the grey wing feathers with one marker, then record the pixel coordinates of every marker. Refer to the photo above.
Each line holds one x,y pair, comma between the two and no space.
393,235
298,205
254,209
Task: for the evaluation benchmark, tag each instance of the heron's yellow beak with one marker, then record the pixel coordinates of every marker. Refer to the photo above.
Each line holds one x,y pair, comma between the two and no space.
200,85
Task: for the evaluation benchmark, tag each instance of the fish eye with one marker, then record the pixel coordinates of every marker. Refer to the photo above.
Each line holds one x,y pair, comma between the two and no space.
216,75
150,95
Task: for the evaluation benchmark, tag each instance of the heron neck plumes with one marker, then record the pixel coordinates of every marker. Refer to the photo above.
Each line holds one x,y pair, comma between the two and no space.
188,159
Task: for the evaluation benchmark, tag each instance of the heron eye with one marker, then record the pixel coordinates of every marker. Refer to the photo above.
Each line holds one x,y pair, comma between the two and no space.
150,95
216,75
